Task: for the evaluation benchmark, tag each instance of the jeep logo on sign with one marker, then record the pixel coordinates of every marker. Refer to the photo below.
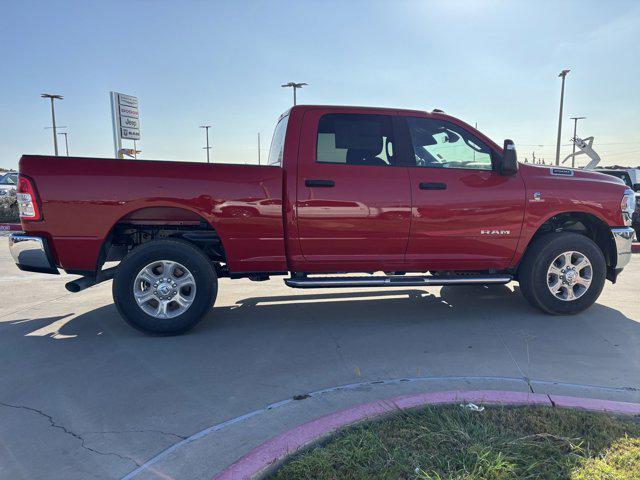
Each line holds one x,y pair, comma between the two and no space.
495,232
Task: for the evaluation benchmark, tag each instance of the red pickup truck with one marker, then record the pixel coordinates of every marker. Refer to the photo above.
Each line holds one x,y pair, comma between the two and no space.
422,197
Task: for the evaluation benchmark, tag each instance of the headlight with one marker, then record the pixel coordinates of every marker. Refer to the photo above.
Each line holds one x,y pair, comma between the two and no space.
628,206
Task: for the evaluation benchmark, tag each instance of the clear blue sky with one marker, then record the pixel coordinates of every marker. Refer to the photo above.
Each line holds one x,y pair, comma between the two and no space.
491,62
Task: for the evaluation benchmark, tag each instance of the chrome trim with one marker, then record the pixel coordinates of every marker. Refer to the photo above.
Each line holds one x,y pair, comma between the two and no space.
31,253
623,238
394,281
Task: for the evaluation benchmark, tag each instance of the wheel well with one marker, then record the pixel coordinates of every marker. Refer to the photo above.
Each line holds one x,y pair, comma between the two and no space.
584,224
147,224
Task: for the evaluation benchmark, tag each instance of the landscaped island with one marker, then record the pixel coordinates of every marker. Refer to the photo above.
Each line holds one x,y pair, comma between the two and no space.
457,443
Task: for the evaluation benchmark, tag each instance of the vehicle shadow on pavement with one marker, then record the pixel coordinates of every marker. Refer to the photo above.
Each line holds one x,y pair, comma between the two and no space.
384,308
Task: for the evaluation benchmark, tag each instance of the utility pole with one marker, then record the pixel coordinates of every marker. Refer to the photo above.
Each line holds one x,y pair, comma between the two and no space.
207,148
575,131
258,148
294,86
66,142
53,118
563,75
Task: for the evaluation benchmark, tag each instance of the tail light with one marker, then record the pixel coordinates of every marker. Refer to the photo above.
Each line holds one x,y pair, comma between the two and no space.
28,200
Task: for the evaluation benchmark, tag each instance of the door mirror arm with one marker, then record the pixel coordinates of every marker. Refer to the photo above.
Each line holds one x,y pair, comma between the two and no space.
508,162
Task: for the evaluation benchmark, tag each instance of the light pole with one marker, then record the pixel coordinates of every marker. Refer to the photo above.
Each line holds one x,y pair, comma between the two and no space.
575,132
563,74
258,148
294,86
207,148
66,141
53,118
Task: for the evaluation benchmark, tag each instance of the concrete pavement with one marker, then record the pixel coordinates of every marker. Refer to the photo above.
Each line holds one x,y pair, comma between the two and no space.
82,395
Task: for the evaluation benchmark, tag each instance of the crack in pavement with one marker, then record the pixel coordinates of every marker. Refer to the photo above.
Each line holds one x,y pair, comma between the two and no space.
504,344
68,432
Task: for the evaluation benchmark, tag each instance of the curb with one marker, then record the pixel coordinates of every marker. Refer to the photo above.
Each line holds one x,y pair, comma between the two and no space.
10,227
278,448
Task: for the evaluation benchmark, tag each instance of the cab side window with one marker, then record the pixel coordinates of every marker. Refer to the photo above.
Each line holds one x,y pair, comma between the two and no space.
355,139
439,144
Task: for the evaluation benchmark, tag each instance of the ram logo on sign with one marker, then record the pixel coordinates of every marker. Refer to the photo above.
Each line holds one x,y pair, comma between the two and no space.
126,120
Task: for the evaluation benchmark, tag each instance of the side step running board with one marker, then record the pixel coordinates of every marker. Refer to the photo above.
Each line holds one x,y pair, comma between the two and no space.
395,281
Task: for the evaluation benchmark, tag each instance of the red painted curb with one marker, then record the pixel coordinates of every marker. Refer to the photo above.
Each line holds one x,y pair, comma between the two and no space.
607,406
10,227
276,449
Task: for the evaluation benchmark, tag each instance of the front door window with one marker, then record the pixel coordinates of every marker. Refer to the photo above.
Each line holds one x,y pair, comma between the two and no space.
439,144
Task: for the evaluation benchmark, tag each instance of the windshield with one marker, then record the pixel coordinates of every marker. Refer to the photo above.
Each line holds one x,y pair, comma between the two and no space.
9,179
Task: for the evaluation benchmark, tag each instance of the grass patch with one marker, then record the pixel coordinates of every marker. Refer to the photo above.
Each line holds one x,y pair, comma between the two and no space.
454,443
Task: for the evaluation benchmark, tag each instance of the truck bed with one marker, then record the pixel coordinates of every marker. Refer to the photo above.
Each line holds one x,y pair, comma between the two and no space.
82,199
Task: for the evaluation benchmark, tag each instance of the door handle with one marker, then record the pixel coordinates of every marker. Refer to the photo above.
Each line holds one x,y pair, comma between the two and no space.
319,183
433,186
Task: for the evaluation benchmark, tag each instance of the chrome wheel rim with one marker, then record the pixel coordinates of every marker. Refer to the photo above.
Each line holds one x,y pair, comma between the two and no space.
164,289
569,276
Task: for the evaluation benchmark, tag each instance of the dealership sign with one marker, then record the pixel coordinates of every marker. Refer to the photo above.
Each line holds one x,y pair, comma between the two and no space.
125,116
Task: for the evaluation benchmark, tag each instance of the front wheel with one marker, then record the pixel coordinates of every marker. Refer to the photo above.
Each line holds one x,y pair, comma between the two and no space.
165,287
562,273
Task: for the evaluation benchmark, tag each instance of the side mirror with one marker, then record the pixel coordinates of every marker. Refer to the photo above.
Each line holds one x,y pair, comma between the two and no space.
508,164
636,187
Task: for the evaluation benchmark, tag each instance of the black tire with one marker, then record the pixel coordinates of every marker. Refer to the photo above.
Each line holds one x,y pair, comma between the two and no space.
182,252
532,273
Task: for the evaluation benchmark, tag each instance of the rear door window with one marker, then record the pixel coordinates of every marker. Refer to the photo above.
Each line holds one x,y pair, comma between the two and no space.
355,139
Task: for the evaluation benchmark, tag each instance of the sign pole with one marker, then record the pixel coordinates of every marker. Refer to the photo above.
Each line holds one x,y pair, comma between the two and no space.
117,142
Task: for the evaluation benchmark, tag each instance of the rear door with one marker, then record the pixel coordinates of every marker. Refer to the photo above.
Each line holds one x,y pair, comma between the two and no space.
353,201
464,214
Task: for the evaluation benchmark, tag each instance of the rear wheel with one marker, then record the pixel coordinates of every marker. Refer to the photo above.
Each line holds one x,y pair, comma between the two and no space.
562,273
165,287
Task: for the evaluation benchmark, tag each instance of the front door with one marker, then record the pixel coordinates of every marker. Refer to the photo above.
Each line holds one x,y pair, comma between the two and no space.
353,201
464,214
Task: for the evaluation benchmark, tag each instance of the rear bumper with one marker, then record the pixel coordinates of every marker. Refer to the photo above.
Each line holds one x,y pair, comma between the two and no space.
31,254
623,238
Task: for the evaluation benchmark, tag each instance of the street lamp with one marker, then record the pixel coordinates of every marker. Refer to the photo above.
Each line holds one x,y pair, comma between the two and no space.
66,141
207,148
575,130
53,118
294,86
563,74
